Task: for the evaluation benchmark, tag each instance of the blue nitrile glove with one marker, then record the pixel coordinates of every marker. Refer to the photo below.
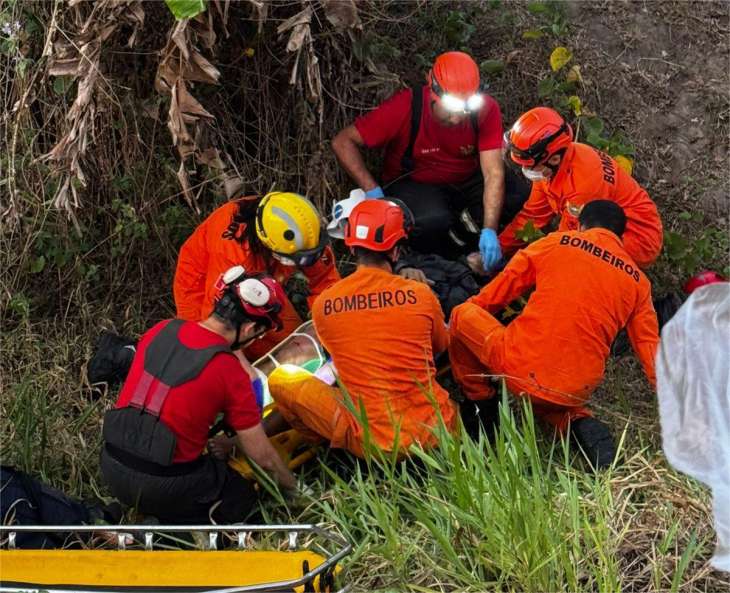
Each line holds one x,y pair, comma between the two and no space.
489,248
376,192
258,391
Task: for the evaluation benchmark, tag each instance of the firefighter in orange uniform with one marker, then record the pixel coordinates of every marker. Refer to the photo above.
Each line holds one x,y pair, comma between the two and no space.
278,234
382,332
566,175
587,289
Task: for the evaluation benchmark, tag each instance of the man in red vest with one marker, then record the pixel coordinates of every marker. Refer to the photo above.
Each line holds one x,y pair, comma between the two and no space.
443,159
185,374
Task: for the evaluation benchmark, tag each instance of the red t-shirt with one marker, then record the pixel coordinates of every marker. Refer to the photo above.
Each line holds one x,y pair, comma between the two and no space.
191,408
441,154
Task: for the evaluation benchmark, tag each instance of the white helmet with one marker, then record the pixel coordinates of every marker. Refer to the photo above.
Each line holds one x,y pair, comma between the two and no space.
341,212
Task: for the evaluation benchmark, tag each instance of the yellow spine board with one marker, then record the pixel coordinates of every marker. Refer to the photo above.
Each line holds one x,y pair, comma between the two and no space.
134,568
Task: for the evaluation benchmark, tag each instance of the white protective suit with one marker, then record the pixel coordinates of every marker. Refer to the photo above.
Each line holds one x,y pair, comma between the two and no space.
693,386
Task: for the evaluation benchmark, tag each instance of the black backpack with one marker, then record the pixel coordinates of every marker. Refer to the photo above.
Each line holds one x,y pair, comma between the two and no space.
26,501
453,281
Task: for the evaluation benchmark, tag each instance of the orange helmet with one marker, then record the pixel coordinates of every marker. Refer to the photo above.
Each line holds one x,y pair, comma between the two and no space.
454,81
378,224
537,135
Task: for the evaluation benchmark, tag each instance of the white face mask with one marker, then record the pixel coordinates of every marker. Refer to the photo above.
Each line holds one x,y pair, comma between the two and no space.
533,175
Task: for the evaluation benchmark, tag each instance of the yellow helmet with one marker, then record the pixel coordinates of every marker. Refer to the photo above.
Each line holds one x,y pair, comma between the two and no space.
289,225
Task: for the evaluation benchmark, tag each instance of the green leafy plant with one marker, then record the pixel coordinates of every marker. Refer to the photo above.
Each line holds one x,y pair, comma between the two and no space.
551,13
129,227
613,144
186,9
562,87
529,233
688,255
458,28
491,67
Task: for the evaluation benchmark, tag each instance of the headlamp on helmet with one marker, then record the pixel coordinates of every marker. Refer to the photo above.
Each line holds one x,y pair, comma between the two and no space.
455,104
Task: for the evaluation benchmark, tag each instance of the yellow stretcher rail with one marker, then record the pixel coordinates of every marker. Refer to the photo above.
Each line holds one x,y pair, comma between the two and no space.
127,570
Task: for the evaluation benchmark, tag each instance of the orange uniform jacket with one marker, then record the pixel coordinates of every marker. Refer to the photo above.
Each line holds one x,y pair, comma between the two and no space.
587,289
207,254
587,174
382,332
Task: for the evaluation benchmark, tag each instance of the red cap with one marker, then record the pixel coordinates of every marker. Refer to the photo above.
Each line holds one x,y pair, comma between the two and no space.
702,278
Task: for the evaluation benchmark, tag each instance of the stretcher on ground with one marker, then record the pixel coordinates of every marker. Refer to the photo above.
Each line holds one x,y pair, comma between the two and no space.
303,349
226,560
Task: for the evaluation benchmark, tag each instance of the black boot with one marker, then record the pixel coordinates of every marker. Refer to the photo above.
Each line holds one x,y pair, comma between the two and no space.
480,415
595,440
112,359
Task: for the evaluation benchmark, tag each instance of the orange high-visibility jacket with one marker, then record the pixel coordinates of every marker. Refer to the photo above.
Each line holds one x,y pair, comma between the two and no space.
587,174
587,289
207,254
382,332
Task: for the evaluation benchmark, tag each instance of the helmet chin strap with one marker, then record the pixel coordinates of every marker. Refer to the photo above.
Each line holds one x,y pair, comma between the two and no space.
237,342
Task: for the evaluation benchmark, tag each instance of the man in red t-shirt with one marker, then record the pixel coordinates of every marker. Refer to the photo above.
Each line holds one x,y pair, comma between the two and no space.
443,158
184,375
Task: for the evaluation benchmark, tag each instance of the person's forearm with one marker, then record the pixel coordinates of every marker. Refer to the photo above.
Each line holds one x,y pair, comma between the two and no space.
493,198
266,457
283,475
350,157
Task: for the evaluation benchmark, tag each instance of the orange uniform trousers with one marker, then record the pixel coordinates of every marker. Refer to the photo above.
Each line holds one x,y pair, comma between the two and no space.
316,410
319,412
477,351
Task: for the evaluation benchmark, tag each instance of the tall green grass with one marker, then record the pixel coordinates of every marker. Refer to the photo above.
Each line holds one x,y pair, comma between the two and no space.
473,515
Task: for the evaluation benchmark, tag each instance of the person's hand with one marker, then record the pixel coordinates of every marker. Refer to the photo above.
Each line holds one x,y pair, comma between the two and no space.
490,249
220,446
415,274
376,192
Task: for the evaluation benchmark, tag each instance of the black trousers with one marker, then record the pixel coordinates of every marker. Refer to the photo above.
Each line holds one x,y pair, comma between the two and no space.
183,499
449,217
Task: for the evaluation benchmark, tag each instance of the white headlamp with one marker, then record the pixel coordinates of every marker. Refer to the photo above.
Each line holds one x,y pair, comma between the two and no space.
457,105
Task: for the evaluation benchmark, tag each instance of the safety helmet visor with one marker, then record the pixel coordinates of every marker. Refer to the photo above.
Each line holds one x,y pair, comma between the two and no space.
535,154
304,257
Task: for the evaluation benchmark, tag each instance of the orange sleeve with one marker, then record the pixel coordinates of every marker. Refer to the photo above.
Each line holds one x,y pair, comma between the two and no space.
440,335
643,330
190,274
518,276
321,275
536,209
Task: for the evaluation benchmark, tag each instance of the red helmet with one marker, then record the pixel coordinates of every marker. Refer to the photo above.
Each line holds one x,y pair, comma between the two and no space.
240,297
700,279
454,81
378,224
537,135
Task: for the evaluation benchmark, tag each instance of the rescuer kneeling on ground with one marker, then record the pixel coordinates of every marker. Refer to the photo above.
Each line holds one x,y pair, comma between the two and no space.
279,234
382,332
587,288
567,175
443,158
183,375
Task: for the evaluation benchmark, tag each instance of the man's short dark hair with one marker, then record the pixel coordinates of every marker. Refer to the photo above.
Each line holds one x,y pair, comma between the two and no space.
603,214
370,257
